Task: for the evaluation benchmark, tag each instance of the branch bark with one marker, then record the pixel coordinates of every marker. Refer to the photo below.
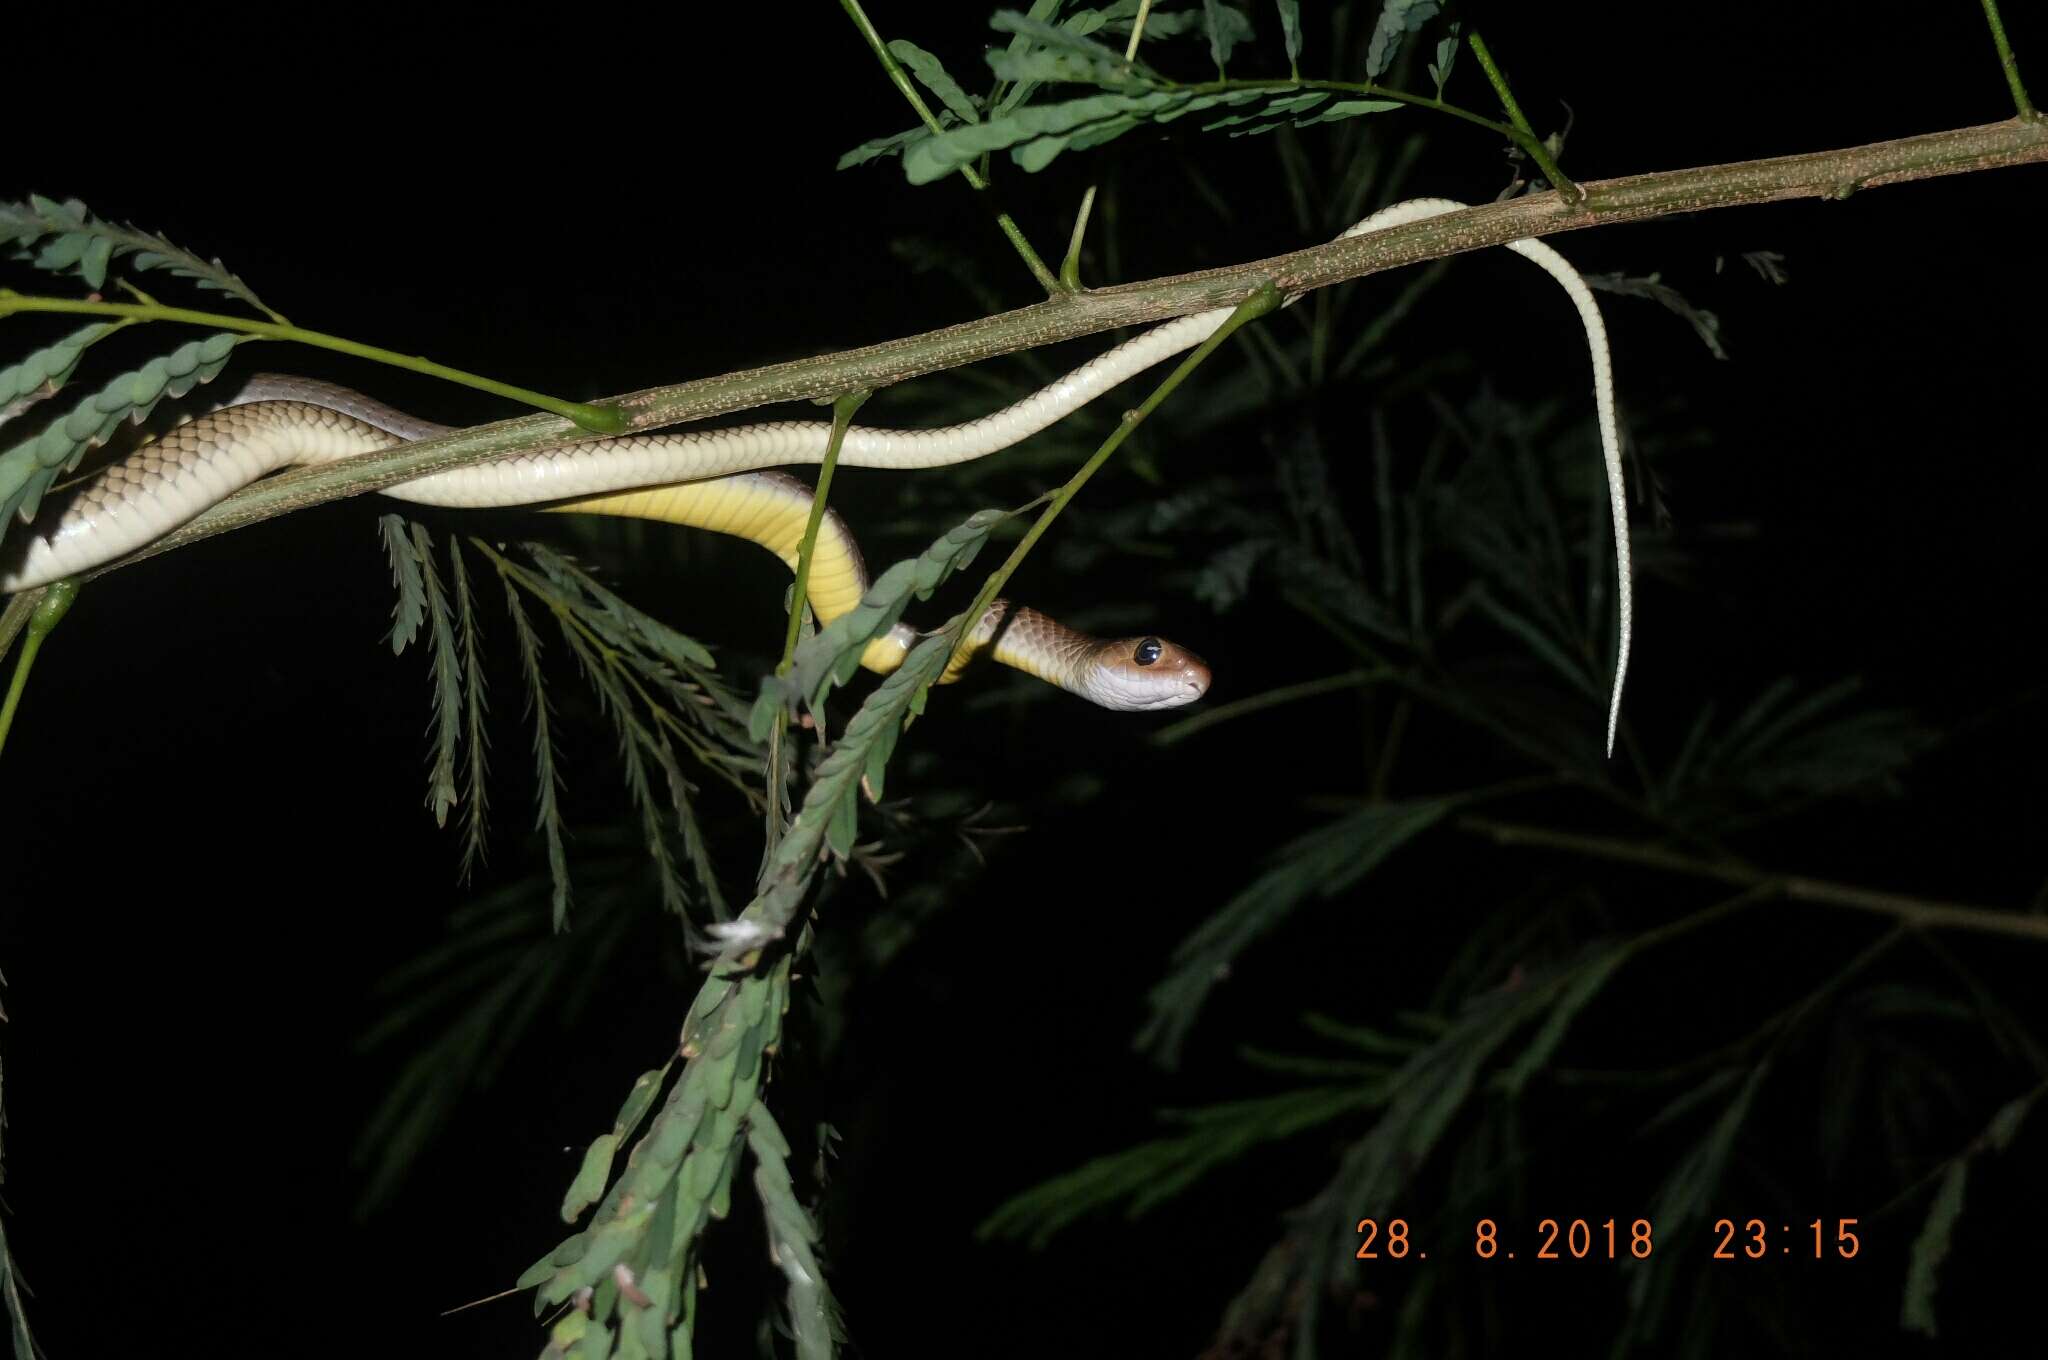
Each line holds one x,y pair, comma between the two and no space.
1635,198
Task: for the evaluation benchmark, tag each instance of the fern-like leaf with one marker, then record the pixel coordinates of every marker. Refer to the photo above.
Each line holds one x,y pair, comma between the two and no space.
447,721
43,374
547,777
67,238
1321,864
28,468
474,703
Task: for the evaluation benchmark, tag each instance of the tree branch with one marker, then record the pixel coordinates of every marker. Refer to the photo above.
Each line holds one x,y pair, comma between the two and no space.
1635,198
1911,911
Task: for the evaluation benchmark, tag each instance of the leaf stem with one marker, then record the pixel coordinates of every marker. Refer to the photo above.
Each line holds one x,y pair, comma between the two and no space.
842,415
1070,268
1265,299
2010,63
1528,141
1272,698
1046,280
49,610
596,419
1911,911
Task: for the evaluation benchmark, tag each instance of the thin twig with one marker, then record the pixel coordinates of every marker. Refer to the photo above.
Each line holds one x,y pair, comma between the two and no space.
1009,226
1070,268
1272,698
2009,63
842,416
1608,202
1529,141
1266,299
50,607
1912,911
596,419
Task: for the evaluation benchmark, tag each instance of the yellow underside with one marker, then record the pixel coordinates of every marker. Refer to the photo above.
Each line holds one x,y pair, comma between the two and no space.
773,511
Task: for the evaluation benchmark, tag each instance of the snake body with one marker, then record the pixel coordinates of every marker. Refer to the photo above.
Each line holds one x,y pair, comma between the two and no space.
711,479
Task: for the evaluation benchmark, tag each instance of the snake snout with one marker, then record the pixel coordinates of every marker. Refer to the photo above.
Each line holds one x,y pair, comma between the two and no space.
1140,675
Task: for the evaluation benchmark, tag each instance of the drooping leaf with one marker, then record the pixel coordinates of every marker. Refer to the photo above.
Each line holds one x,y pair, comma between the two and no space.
1226,26
1141,1178
45,371
1398,18
547,776
892,145
1290,29
1446,55
1937,1231
475,784
1348,108
931,73
1705,324
1319,865
410,610
447,664
832,655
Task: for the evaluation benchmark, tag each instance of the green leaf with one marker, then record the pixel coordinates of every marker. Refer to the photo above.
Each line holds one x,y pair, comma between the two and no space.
941,155
1226,27
21,384
1689,1189
640,1099
1120,17
411,609
831,803
832,654
1574,990
1319,865
1397,20
1290,29
1348,108
590,1180
1446,54
1705,324
1550,650
1043,65
1141,1178
74,240
447,665
1931,1245
475,784
1031,29
28,469
891,145
548,778
932,73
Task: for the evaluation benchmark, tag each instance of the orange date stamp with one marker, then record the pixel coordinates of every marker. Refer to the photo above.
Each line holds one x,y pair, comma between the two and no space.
1617,1239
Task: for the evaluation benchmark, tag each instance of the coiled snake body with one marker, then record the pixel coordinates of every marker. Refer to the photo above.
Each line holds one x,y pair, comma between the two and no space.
711,479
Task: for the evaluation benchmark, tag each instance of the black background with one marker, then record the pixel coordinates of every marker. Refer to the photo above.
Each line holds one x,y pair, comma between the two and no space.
216,842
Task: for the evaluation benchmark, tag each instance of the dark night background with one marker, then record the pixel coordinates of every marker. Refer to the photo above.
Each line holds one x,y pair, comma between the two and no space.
217,844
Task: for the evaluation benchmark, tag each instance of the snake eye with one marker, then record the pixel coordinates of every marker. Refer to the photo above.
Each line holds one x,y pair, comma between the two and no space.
1147,653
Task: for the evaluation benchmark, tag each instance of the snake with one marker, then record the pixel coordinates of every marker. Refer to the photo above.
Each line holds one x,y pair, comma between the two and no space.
717,479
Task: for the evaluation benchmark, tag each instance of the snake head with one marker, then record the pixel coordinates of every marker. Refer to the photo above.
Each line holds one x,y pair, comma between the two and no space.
1140,674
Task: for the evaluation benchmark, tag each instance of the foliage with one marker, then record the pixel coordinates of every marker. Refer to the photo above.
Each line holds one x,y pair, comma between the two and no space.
1130,94
1470,594
1469,599
658,688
